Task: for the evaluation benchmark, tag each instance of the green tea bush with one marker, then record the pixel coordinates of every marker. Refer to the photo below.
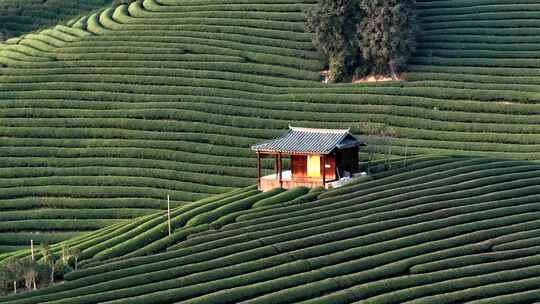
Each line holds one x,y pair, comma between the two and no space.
156,229
55,225
455,262
519,244
282,197
73,214
235,206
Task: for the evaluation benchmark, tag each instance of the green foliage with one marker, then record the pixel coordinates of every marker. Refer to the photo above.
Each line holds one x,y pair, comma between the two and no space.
120,2
150,231
5,280
436,220
239,205
286,196
333,24
338,72
387,34
105,117
19,17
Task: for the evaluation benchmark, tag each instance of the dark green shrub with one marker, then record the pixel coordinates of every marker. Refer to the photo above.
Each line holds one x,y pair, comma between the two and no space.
334,24
282,197
388,34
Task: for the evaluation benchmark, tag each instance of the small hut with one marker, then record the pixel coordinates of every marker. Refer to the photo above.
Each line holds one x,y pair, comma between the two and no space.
318,158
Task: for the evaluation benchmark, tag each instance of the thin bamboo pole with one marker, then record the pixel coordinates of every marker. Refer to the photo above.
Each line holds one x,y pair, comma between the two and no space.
169,214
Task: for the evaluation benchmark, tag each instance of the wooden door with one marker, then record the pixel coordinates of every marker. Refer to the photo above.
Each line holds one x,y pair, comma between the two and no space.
329,167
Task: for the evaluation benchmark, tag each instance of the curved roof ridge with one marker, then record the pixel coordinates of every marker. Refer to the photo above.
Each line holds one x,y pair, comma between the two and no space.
317,130
309,140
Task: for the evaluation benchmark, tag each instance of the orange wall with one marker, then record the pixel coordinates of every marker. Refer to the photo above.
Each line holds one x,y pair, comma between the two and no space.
299,166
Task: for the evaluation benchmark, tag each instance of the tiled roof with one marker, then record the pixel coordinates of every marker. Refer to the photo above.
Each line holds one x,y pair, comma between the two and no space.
307,140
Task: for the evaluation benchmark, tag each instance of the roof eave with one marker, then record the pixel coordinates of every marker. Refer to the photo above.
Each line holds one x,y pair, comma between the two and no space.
351,145
268,151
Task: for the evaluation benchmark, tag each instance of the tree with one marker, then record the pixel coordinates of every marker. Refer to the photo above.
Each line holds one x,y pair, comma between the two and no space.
29,273
387,34
15,271
75,253
69,253
334,23
5,279
48,259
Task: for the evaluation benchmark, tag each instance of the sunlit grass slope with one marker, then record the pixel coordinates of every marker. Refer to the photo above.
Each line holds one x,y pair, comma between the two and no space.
102,119
440,230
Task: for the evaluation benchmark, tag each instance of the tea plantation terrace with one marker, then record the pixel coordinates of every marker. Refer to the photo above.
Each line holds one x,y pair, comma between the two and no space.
438,230
23,16
105,116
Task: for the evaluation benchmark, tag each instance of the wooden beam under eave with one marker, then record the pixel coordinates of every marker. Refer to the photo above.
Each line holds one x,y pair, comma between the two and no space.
276,165
324,171
280,171
258,171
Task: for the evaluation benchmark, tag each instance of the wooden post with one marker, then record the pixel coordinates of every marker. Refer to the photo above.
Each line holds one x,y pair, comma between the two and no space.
280,171
32,249
15,287
169,214
258,171
324,171
276,166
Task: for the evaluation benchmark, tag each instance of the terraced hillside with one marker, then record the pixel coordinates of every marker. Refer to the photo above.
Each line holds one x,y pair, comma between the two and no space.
18,17
440,230
102,119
